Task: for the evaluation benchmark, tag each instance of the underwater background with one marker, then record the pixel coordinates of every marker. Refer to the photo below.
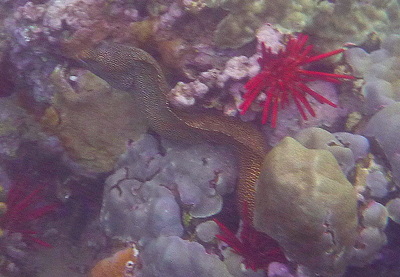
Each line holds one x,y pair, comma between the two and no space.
199,138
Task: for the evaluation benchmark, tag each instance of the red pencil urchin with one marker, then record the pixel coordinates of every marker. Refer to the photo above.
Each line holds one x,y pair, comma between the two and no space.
257,249
23,209
282,77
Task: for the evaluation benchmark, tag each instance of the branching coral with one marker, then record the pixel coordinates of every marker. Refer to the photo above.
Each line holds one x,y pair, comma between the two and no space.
282,77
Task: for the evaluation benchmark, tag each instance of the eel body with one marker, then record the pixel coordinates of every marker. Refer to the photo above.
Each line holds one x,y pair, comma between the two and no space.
134,70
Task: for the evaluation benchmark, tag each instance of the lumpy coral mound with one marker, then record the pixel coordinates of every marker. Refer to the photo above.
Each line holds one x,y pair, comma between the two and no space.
305,202
282,77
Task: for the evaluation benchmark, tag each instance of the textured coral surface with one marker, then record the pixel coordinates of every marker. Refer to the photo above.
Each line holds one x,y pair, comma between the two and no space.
205,74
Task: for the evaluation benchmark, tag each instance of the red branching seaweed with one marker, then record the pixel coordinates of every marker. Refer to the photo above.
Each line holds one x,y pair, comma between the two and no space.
282,77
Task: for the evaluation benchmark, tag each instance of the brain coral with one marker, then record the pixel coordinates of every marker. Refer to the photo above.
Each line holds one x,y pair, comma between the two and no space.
304,201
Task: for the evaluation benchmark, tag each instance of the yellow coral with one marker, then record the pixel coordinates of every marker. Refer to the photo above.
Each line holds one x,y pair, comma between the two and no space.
304,201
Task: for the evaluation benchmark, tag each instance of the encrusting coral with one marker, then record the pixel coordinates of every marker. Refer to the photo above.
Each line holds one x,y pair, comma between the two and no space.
380,72
384,128
175,257
157,179
345,147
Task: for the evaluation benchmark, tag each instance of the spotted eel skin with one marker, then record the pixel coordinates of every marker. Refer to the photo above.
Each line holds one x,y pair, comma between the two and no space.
134,70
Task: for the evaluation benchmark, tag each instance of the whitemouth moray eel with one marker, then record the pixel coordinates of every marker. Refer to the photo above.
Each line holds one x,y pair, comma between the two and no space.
134,70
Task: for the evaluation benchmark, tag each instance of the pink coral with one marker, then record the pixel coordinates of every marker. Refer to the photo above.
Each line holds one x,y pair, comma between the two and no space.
282,77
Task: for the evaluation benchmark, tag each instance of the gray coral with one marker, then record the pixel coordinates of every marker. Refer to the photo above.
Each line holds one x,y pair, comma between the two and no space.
175,257
140,197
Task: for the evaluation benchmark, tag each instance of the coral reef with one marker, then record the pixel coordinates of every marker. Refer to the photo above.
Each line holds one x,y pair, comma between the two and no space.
344,21
370,182
393,208
371,237
139,198
207,230
93,121
63,127
128,216
230,79
346,153
225,76
330,23
372,179
380,72
185,94
16,128
240,25
383,127
236,29
320,216
175,257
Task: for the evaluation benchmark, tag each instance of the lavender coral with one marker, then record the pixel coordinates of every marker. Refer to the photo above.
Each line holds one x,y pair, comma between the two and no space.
384,128
139,198
175,257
